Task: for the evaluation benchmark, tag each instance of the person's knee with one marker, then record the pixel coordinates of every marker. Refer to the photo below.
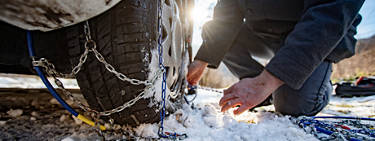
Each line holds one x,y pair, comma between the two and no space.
302,109
308,100
294,103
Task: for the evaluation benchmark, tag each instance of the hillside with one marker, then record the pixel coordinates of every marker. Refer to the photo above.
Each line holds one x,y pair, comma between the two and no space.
363,63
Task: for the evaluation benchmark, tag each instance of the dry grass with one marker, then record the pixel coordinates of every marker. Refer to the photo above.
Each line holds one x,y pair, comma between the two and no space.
361,64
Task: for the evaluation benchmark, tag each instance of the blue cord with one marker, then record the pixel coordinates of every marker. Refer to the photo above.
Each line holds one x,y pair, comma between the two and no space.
323,130
45,80
53,92
30,44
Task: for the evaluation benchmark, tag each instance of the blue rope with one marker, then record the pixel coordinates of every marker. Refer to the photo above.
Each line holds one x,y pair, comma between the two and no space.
53,92
30,44
45,80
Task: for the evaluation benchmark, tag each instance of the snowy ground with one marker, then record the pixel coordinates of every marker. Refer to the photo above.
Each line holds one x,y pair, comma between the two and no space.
39,117
206,122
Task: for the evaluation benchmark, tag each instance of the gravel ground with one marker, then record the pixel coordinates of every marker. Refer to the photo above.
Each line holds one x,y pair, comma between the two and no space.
38,117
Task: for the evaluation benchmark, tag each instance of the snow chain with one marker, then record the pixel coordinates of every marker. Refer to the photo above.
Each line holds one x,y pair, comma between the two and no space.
90,46
161,133
352,130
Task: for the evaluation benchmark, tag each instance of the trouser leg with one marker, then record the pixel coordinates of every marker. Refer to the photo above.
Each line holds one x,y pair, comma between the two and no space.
310,99
239,61
239,58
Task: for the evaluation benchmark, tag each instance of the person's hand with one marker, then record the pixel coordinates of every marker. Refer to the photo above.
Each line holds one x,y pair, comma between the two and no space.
249,92
195,71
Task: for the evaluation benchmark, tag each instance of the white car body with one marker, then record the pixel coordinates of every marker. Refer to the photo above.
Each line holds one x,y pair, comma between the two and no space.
46,15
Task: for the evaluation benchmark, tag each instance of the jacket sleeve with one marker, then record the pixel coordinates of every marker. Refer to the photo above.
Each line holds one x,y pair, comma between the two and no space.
322,26
219,33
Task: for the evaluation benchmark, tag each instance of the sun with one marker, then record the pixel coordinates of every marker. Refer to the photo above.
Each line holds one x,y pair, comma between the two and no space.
202,11
200,14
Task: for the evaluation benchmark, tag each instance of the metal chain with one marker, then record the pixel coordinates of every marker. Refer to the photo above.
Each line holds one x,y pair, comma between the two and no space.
210,89
337,130
42,62
206,88
90,46
82,60
161,133
50,71
161,66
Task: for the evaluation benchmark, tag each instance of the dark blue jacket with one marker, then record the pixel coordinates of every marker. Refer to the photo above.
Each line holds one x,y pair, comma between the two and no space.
315,31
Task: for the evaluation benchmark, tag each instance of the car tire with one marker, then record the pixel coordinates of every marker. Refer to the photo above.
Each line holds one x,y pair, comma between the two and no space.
126,36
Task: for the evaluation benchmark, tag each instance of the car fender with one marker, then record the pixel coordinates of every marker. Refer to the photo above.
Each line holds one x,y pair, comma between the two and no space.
46,15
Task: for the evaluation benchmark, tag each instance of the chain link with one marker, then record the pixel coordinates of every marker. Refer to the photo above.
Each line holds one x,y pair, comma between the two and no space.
119,75
207,89
101,59
162,112
51,72
82,60
42,62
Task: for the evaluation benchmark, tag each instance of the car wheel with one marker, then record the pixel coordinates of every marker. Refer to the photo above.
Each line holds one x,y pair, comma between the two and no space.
126,36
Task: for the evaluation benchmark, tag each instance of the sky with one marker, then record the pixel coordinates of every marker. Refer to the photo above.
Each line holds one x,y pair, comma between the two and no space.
204,9
367,27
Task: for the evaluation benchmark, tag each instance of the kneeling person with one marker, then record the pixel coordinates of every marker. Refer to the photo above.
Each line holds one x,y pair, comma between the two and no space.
300,39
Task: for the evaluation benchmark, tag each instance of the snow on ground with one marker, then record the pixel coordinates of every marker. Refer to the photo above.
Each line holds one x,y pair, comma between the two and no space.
206,122
355,106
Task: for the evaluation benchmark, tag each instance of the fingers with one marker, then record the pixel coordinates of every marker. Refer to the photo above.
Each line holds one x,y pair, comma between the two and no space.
229,90
226,98
231,104
241,109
